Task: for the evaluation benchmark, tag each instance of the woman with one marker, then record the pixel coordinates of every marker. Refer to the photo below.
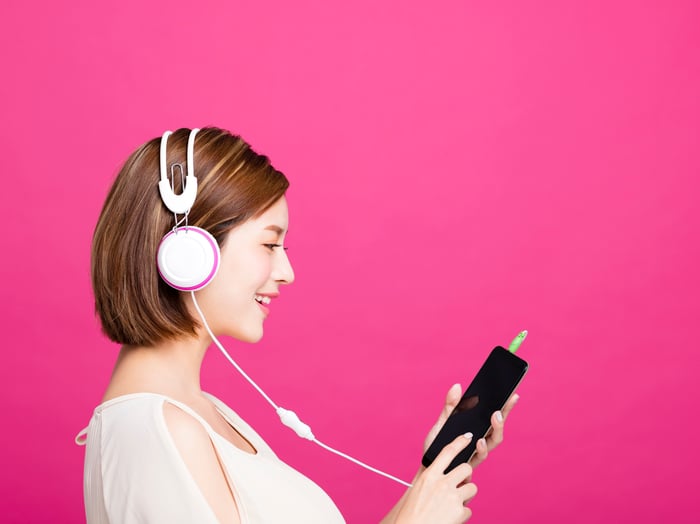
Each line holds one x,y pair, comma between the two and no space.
159,449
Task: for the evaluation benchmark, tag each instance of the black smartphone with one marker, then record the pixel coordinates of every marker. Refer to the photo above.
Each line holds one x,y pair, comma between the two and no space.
492,386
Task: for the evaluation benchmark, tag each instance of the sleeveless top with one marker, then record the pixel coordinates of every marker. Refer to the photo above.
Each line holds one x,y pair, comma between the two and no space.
134,473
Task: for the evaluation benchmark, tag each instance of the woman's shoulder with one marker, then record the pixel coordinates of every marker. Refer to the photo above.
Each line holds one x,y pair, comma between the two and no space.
140,411
130,415
153,416
142,397
130,410
133,458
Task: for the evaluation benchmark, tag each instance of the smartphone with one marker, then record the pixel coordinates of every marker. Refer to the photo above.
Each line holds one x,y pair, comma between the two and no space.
492,386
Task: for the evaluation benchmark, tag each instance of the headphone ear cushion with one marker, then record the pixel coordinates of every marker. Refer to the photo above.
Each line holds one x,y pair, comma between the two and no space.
188,258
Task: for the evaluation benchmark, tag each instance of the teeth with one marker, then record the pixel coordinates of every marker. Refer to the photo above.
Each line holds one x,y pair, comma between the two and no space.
262,300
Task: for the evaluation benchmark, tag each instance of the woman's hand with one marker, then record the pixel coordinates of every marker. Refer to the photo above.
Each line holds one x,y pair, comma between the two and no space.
484,445
436,497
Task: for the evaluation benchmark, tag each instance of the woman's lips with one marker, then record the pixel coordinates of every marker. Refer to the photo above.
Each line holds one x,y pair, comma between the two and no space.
265,309
263,300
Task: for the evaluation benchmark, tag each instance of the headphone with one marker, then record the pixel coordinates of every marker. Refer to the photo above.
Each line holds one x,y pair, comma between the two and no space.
188,257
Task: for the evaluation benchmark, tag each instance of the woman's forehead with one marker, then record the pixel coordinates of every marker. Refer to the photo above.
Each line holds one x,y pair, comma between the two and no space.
275,219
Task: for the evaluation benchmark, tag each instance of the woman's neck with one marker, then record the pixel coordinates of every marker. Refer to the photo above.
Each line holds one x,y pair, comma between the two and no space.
171,368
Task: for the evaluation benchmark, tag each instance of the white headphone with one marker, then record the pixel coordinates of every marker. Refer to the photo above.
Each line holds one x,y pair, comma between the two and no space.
188,257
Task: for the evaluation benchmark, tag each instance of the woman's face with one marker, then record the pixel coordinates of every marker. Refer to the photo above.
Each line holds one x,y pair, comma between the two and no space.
253,267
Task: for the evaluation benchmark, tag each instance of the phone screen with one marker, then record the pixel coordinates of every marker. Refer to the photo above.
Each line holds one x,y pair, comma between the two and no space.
492,386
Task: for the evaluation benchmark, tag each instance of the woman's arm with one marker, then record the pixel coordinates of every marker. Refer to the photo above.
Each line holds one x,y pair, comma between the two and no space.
391,516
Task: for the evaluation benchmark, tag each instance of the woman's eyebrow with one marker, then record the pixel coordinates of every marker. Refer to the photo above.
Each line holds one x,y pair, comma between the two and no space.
276,229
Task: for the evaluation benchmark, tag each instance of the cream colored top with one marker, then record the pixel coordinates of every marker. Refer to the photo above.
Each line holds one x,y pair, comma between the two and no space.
135,474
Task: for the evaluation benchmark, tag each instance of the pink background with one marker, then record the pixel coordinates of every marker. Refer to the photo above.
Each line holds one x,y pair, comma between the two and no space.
460,170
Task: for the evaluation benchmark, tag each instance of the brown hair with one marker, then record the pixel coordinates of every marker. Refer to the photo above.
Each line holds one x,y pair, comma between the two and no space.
235,183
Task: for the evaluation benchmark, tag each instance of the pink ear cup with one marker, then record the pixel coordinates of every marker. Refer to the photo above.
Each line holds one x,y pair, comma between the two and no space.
188,258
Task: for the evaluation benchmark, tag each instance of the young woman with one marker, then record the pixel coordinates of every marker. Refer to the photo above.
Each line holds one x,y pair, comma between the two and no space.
159,449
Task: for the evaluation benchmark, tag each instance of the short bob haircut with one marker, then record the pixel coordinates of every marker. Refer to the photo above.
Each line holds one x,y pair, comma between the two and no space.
135,306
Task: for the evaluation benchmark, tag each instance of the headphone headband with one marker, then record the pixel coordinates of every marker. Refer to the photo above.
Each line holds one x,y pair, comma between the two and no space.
179,204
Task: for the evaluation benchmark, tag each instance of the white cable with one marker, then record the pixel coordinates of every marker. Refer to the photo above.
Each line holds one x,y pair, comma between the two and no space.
233,362
287,417
359,463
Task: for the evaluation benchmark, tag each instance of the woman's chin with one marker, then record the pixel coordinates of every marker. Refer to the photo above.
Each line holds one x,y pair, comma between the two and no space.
255,339
251,337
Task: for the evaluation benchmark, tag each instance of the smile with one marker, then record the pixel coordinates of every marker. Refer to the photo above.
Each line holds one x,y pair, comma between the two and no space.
262,300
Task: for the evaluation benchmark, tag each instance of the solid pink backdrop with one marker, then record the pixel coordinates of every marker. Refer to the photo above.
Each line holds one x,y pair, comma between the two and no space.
459,172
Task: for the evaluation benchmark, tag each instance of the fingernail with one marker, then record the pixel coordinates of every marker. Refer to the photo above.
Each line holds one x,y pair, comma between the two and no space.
482,442
499,416
516,398
468,435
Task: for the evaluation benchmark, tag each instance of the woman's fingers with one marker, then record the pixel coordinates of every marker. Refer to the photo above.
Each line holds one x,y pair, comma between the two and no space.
461,475
449,452
451,400
509,405
468,492
498,419
495,436
482,451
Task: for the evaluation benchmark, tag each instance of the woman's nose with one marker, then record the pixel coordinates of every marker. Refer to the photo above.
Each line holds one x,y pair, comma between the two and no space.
283,272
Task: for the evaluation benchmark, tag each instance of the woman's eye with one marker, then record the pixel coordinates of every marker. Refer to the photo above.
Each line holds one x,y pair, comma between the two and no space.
273,246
